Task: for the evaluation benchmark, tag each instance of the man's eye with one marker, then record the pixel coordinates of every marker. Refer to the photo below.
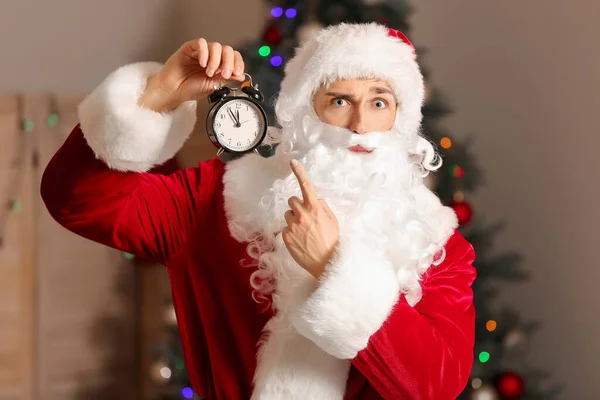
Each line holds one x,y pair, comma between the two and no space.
339,102
380,104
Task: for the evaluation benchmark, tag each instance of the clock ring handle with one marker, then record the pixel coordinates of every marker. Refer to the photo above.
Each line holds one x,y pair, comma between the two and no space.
245,73
250,77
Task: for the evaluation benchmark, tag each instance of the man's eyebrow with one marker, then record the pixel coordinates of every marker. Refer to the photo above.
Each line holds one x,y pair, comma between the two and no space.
381,90
348,96
374,89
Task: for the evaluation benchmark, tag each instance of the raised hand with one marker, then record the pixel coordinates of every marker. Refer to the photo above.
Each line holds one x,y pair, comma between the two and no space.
191,72
312,232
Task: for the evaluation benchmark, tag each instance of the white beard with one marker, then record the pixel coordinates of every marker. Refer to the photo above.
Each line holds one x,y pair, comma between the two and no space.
380,201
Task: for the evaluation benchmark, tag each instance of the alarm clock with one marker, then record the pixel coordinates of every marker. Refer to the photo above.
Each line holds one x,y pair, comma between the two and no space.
236,123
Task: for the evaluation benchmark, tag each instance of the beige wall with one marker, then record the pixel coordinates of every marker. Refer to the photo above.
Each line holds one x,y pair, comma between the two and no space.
521,76
71,45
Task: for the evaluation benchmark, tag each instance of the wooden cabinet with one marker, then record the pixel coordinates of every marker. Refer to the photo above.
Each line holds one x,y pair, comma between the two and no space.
68,307
17,278
77,320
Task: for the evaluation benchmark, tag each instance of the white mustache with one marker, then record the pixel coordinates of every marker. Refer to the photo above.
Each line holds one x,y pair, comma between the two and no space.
371,140
336,138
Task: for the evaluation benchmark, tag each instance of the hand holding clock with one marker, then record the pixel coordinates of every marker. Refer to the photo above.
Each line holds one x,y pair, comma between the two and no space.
190,73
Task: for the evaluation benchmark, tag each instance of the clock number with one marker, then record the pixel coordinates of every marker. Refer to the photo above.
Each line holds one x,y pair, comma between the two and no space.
218,124
223,116
238,105
239,143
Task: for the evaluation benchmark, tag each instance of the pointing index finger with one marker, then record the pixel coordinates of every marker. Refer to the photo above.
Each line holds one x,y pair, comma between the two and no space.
308,191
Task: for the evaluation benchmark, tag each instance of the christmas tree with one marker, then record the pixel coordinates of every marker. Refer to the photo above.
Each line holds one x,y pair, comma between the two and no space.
169,367
500,369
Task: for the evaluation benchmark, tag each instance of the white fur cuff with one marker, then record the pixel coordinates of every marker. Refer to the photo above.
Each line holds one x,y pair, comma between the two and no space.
124,135
355,297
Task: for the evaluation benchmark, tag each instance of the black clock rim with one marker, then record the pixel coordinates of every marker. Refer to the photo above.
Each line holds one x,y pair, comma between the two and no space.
211,131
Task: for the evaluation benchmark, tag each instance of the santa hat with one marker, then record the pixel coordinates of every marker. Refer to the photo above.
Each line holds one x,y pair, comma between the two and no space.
351,51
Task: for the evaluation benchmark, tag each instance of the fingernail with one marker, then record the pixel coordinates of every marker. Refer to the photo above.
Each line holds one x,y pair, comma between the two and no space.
295,163
226,73
210,72
203,63
237,70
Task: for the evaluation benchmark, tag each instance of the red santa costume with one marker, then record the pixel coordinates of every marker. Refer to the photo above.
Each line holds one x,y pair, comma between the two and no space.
392,317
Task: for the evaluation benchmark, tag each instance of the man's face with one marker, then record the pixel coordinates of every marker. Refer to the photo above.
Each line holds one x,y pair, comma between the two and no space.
360,105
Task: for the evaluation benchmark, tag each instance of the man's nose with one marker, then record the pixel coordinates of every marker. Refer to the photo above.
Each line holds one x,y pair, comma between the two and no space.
357,123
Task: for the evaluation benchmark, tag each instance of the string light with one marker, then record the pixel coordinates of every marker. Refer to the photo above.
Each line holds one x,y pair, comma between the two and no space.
187,392
276,61
459,196
491,325
16,206
128,256
28,125
165,372
160,371
277,12
53,120
457,171
452,169
476,383
446,143
484,356
264,51
290,12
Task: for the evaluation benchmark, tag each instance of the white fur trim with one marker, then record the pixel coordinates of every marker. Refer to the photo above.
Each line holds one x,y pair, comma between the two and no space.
356,295
124,135
292,367
351,51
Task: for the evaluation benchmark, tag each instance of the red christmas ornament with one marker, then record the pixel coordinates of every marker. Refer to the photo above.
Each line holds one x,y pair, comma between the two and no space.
463,211
459,171
273,35
510,385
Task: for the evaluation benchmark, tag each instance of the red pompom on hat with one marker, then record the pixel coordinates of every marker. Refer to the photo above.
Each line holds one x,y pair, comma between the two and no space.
400,35
353,51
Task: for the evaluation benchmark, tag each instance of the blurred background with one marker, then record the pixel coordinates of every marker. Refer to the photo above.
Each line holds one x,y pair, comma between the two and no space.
512,89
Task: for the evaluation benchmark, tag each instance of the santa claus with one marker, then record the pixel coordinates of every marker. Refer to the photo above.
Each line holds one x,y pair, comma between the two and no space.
327,271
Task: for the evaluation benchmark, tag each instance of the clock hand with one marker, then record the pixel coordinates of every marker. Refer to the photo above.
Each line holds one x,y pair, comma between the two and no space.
236,121
232,116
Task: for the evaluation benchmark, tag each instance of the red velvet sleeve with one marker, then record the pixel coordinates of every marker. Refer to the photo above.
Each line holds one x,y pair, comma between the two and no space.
145,214
426,352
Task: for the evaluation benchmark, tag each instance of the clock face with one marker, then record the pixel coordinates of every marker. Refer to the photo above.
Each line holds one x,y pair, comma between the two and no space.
239,124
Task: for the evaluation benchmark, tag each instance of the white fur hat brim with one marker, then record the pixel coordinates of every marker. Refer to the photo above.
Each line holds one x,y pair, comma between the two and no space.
353,51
